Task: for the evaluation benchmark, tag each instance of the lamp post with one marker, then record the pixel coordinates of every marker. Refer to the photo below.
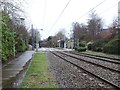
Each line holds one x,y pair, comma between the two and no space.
40,36
32,38
74,41
21,20
36,41
69,41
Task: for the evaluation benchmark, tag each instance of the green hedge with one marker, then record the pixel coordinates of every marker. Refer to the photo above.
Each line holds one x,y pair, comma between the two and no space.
8,41
82,44
89,46
11,42
112,47
80,49
20,44
97,46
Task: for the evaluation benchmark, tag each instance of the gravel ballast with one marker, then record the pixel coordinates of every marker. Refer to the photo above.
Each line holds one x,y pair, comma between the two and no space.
69,76
105,73
97,61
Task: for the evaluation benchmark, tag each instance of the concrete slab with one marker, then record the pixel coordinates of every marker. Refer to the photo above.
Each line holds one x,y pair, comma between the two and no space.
9,73
15,66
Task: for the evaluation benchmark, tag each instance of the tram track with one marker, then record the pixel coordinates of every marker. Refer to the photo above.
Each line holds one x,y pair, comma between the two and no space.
104,64
62,56
103,58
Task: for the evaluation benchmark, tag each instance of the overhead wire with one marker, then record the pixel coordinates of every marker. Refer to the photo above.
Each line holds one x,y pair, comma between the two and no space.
44,11
108,9
77,19
91,10
60,14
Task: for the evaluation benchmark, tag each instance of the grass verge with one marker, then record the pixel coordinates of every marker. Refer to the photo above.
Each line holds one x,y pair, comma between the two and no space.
38,75
101,54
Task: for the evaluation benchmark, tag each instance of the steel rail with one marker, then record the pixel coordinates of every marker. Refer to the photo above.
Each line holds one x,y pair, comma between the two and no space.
114,70
117,59
103,79
96,57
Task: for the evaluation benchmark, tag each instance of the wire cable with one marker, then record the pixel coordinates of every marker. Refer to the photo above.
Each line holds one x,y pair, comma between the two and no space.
108,9
91,10
44,14
60,14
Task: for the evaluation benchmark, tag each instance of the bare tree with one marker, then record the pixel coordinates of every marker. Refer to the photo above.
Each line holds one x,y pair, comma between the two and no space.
61,34
113,28
13,8
54,41
76,28
94,26
114,23
79,33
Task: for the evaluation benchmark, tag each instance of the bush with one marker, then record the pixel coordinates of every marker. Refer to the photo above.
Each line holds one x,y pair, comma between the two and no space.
89,46
80,49
76,48
112,47
10,37
98,45
99,49
22,46
82,44
8,41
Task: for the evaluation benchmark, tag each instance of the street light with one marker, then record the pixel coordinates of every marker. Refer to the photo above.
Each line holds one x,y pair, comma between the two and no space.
36,41
40,36
32,37
21,20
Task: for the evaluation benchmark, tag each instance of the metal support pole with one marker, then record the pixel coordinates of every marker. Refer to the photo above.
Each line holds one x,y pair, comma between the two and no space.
32,38
74,41
36,42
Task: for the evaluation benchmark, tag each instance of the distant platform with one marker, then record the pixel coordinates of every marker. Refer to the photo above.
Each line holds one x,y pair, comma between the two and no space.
54,49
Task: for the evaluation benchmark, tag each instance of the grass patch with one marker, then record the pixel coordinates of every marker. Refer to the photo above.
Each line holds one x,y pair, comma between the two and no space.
38,75
101,54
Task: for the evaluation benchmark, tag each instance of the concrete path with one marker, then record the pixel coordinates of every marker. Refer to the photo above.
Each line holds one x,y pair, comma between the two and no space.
14,67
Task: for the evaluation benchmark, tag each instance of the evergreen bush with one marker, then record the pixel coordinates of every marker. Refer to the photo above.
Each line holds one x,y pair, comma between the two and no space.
98,45
89,46
82,44
12,39
112,47
81,49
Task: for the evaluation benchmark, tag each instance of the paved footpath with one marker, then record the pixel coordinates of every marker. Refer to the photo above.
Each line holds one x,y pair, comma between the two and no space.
14,67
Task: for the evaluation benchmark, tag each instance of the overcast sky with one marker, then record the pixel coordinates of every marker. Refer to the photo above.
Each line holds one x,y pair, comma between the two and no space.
44,13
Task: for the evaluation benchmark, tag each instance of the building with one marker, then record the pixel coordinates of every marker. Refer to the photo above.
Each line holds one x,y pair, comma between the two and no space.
61,43
70,43
107,34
